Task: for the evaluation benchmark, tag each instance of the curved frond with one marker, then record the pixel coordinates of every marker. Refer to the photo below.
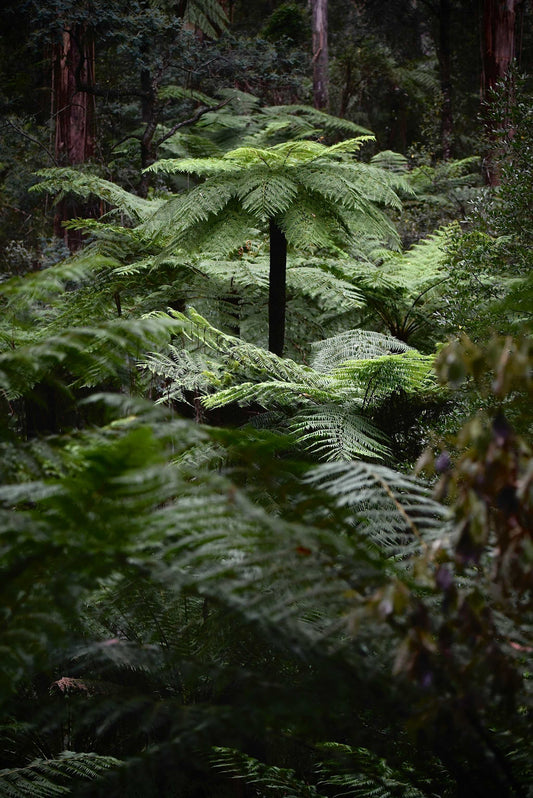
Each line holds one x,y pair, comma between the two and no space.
66,180
266,195
338,433
396,511
354,345
51,777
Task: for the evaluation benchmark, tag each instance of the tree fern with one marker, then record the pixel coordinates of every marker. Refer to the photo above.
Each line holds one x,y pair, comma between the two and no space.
309,193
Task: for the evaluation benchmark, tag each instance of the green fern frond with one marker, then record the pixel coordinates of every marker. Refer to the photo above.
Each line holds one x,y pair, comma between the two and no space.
263,779
365,774
408,372
273,393
396,511
393,161
316,119
316,283
193,166
62,181
265,196
50,777
206,15
91,354
308,225
353,345
336,433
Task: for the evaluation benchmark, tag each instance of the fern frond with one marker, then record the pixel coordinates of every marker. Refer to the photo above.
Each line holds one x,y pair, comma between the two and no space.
336,433
316,120
265,195
173,92
91,353
393,161
263,779
65,180
206,15
365,774
353,345
396,511
408,372
193,166
50,777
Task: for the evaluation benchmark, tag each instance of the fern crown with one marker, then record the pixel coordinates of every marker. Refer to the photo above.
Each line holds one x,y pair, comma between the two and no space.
317,194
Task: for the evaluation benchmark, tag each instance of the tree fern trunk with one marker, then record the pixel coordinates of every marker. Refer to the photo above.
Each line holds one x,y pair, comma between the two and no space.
276,292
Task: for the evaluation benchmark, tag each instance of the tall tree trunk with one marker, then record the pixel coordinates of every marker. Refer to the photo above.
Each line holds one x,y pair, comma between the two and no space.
149,117
445,78
277,289
499,45
74,113
319,26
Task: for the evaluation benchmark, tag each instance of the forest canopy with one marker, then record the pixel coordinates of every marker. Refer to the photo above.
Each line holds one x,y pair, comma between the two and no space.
266,496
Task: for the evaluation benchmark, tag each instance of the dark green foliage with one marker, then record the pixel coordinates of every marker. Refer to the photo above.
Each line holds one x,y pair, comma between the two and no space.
218,576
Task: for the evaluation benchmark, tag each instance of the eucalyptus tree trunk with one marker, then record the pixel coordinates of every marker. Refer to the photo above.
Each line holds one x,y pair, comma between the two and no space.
73,111
319,26
277,289
500,18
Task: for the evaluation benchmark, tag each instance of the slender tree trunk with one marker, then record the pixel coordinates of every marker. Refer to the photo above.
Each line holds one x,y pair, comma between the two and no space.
74,113
445,78
319,26
499,45
277,289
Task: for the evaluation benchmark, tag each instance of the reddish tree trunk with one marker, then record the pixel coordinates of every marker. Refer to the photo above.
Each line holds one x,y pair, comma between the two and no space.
499,45
74,114
319,26
499,39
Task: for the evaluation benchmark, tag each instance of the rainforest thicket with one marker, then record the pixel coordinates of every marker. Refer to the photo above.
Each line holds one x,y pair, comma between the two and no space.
266,497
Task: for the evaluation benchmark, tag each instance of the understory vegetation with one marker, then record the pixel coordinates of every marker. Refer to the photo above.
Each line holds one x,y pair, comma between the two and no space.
266,497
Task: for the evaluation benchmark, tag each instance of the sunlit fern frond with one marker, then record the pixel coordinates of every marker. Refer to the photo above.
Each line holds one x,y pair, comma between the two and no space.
397,511
409,372
354,345
422,265
335,433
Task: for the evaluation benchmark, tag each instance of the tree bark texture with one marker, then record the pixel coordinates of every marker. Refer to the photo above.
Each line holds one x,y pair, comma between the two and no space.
499,40
277,289
499,48
74,114
319,27
73,109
